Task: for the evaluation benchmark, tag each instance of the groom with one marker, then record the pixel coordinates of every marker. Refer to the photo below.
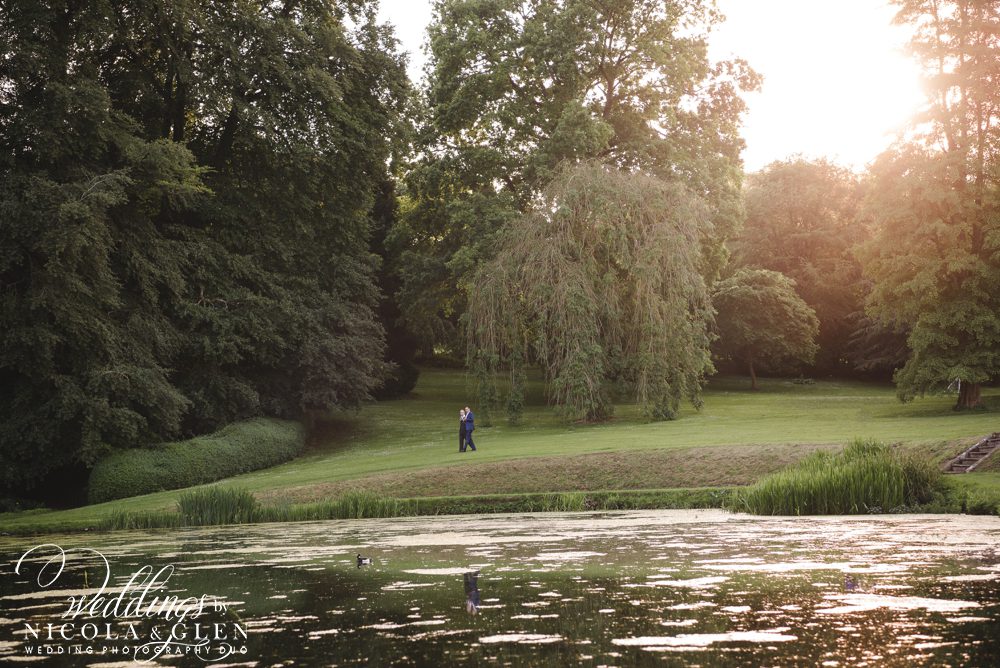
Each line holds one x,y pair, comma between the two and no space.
470,424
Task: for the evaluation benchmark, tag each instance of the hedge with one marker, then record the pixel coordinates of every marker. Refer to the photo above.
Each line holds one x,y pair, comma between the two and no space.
237,448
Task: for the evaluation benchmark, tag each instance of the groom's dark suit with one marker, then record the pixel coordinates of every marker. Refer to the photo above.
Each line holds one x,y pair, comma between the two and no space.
470,424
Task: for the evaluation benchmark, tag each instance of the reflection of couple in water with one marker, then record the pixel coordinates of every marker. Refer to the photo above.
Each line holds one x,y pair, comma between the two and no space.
472,592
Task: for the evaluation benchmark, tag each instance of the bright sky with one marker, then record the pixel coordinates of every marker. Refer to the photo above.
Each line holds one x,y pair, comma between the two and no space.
837,83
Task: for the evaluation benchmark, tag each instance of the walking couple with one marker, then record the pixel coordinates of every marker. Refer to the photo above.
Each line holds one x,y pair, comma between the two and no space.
466,424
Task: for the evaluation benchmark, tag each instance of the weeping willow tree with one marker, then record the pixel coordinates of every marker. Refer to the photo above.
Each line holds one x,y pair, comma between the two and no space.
600,286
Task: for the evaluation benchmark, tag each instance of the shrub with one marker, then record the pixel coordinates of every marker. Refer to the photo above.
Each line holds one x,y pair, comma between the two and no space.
867,476
237,448
12,505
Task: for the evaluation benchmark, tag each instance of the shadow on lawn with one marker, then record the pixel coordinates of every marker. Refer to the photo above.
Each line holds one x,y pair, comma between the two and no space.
832,387
331,434
935,406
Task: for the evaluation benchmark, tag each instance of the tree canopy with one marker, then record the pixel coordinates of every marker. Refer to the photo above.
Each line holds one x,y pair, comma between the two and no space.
515,87
802,221
185,197
763,322
214,210
600,284
935,262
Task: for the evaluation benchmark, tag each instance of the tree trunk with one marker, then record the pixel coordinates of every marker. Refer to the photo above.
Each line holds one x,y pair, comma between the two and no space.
753,376
168,101
180,108
223,150
968,396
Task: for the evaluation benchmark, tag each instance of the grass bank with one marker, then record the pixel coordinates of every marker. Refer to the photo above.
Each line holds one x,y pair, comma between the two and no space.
218,506
407,448
977,494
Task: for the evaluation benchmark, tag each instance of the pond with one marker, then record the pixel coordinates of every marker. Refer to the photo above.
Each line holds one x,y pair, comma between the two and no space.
618,589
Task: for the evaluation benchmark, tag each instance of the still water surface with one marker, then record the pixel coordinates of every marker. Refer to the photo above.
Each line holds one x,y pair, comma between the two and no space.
620,589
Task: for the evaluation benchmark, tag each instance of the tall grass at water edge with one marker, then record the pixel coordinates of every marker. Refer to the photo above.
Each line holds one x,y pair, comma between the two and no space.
219,505
215,505
866,477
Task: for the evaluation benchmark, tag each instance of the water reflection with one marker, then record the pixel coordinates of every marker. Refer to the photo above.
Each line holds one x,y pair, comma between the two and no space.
472,596
631,588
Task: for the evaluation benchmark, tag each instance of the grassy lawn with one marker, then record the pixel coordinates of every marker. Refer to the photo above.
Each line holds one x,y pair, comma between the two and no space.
408,447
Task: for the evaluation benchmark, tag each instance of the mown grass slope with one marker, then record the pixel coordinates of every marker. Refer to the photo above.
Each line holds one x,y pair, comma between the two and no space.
409,447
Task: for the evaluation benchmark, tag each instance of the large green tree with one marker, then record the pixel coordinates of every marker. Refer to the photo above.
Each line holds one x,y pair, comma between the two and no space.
184,218
762,322
802,221
936,200
86,278
515,87
600,285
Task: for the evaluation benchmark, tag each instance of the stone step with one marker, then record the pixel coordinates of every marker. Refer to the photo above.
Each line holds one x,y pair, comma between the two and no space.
971,457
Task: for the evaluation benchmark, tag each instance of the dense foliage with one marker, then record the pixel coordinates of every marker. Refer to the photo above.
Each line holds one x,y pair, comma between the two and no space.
211,211
802,221
762,322
517,87
237,448
866,477
185,197
935,263
599,284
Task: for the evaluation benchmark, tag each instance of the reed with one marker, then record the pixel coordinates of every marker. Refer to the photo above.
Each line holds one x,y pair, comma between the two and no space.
217,505
563,502
866,477
127,520
351,505
979,502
